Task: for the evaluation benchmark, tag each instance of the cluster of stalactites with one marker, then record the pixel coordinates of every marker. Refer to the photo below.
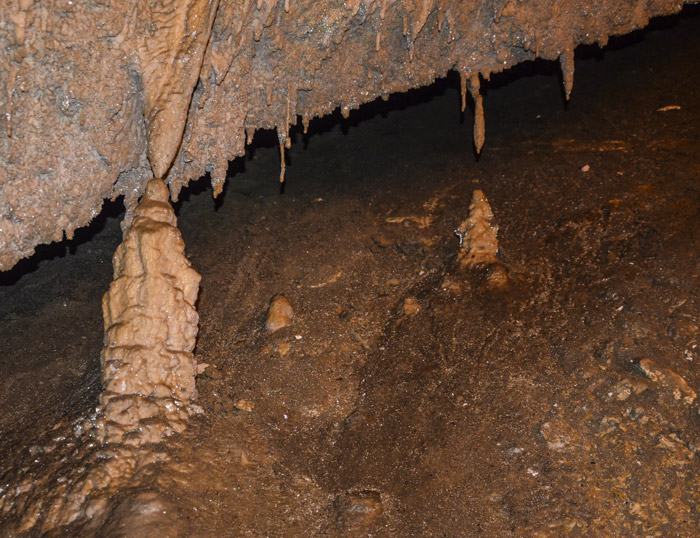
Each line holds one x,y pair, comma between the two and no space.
148,368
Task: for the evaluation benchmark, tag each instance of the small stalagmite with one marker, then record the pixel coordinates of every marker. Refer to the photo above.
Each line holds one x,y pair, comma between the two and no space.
279,314
478,234
151,324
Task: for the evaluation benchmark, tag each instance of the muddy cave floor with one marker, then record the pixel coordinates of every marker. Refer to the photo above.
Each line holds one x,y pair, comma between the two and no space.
526,409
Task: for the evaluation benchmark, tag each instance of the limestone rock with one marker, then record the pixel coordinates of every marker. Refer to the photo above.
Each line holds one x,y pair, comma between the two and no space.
478,234
151,324
176,89
279,314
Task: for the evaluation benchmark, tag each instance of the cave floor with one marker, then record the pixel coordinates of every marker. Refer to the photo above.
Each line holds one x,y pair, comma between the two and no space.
410,397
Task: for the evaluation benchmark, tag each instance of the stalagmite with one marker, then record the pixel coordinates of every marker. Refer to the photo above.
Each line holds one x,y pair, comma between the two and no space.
151,324
148,386
478,234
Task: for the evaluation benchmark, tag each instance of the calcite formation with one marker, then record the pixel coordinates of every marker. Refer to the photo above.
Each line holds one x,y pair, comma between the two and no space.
148,382
151,323
98,97
478,234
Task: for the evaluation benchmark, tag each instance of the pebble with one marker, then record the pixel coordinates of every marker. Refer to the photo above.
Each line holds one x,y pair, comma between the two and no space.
411,306
356,512
280,314
244,405
561,436
496,276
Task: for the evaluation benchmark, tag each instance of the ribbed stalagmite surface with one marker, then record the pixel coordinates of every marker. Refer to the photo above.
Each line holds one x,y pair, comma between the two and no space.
478,234
118,92
148,382
148,369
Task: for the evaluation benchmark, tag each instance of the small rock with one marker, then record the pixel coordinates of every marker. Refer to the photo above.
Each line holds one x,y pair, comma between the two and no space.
244,405
669,379
585,168
411,306
357,512
284,348
496,276
561,436
382,241
623,390
451,286
212,372
280,314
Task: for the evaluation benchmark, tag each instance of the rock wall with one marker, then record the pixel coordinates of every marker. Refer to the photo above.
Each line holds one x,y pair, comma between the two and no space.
100,96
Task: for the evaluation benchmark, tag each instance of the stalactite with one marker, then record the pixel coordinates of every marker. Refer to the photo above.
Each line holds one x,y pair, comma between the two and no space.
566,62
463,88
283,165
479,123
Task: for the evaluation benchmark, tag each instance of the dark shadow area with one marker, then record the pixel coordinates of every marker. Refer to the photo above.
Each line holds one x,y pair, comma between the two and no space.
110,210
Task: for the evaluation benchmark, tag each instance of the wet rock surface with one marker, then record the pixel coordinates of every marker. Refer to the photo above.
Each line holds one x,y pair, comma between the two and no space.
97,97
543,407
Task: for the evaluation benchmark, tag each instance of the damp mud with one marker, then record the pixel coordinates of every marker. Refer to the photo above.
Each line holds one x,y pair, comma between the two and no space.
355,377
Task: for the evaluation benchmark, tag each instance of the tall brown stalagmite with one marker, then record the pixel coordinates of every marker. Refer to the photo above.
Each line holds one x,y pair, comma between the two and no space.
151,323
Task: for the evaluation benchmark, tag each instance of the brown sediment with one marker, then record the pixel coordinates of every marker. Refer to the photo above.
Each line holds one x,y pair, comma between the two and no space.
170,89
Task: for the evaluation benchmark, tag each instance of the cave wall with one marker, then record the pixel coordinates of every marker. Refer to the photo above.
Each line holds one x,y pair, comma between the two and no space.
99,96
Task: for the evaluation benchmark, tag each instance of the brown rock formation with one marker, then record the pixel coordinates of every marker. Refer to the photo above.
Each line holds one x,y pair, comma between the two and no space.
148,369
478,234
148,378
97,97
